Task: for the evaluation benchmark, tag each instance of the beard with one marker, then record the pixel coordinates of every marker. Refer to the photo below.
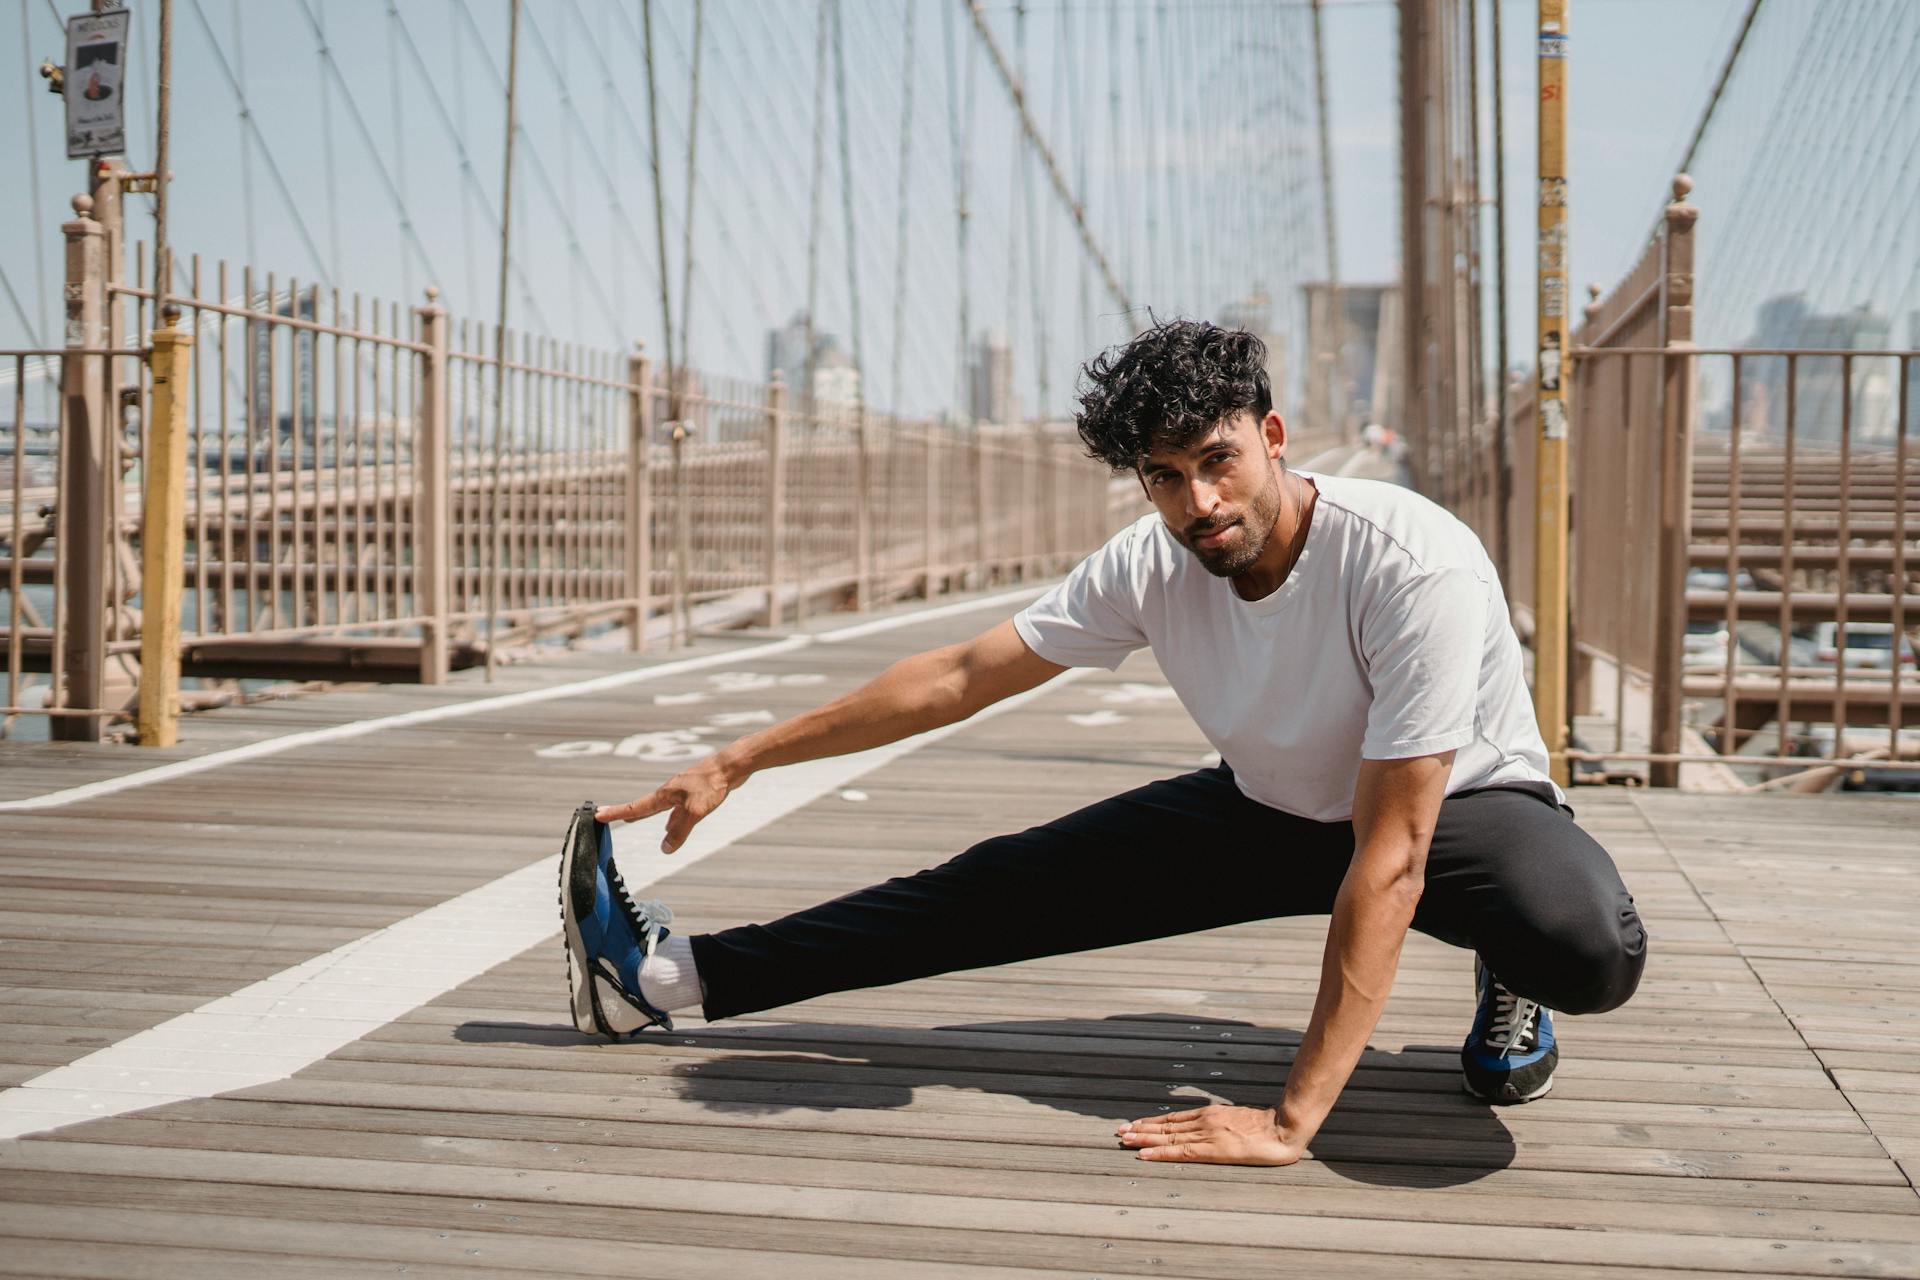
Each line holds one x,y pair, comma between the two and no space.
1252,531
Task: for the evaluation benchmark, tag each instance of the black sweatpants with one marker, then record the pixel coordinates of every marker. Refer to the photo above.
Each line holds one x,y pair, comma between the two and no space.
1508,875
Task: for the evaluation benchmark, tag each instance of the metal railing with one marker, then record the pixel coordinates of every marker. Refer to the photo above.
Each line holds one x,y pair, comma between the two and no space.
370,491
1737,513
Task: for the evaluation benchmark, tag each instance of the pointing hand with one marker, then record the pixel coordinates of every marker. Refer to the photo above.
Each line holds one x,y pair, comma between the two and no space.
691,794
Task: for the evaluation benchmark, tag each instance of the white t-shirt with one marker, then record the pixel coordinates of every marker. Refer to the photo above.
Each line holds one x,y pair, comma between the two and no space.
1389,639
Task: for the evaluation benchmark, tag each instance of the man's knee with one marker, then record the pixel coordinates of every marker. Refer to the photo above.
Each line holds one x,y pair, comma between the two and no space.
1597,965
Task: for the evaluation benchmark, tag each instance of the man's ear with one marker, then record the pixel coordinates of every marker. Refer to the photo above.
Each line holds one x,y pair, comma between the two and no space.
1274,428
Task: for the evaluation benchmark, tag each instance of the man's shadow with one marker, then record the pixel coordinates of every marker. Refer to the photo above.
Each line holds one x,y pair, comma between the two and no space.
1402,1121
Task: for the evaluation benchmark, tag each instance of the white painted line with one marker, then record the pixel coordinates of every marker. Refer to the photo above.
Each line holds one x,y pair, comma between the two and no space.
361,728
282,1024
503,702
927,615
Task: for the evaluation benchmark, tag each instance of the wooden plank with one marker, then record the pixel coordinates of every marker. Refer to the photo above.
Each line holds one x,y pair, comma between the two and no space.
54,1240
1501,1185
559,1151
1167,1226
904,1248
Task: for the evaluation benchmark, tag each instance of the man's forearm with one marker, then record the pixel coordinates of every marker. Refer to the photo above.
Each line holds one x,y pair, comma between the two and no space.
1370,922
912,696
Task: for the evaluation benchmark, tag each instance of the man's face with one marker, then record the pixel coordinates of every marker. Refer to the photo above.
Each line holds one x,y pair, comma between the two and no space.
1221,495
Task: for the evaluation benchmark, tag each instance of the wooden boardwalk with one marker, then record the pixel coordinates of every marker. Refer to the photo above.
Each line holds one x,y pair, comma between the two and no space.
1753,1111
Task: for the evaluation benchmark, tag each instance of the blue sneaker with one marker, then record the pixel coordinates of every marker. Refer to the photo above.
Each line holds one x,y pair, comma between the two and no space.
609,934
1509,1055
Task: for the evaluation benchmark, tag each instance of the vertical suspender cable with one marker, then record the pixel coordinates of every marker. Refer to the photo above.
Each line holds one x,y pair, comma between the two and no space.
1076,111
813,205
852,247
960,129
1336,375
900,230
396,107
863,529
1036,281
680,614
1503,463
37,326
1476,221
1116,189
326,149
659,216
494,552
693,138
162,262
1154,282
1017,92
246,137
466,199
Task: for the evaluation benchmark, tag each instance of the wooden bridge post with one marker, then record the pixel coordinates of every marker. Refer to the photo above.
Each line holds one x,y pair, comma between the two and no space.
639,512
87,486
163,534
432,495
1676,478
776,492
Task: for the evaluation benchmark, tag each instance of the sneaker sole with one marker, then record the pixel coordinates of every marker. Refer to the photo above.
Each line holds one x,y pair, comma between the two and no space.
579,865
1472,1092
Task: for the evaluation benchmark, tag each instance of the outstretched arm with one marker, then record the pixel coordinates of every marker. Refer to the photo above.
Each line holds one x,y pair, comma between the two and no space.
1395,807
916,694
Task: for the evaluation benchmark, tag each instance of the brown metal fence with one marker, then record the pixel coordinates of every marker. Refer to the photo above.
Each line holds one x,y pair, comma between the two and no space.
1802,520
1743,556
301,458
373,491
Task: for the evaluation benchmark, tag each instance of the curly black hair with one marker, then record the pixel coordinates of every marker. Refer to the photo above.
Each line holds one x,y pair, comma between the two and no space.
1169,386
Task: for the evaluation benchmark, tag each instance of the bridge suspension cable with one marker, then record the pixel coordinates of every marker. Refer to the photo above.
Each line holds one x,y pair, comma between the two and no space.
1073,205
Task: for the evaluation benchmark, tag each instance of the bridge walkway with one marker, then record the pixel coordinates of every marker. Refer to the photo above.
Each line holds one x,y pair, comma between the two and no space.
304,1012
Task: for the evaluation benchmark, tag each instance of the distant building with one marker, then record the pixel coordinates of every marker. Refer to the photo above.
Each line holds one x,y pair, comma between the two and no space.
990,379
836,379
787,352
282,399
1820,389
1358,383
1913,377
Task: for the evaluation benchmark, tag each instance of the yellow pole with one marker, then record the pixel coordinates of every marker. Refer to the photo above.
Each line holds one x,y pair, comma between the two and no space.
163,548
1550,498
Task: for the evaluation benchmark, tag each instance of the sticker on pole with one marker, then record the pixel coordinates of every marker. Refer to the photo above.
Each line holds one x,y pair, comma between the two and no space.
1553,420
95,84
1550,362
1553,46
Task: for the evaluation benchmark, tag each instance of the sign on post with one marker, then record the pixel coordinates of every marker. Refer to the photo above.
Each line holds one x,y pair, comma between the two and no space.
96,83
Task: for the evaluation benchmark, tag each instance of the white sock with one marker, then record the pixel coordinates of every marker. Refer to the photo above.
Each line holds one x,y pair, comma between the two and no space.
669,980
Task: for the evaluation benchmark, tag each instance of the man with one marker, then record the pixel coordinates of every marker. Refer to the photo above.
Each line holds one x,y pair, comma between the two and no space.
1346,647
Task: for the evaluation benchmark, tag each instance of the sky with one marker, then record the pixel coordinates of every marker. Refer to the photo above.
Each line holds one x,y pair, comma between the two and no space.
375,166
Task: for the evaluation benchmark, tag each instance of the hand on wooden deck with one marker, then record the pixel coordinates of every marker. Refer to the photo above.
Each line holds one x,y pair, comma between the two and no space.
1213,1135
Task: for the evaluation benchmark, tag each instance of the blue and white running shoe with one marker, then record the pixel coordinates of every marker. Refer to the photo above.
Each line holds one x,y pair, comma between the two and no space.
609,934
1509,1055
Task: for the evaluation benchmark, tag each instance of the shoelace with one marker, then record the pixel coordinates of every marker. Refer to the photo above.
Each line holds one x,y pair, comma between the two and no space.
1514,1022
655,912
